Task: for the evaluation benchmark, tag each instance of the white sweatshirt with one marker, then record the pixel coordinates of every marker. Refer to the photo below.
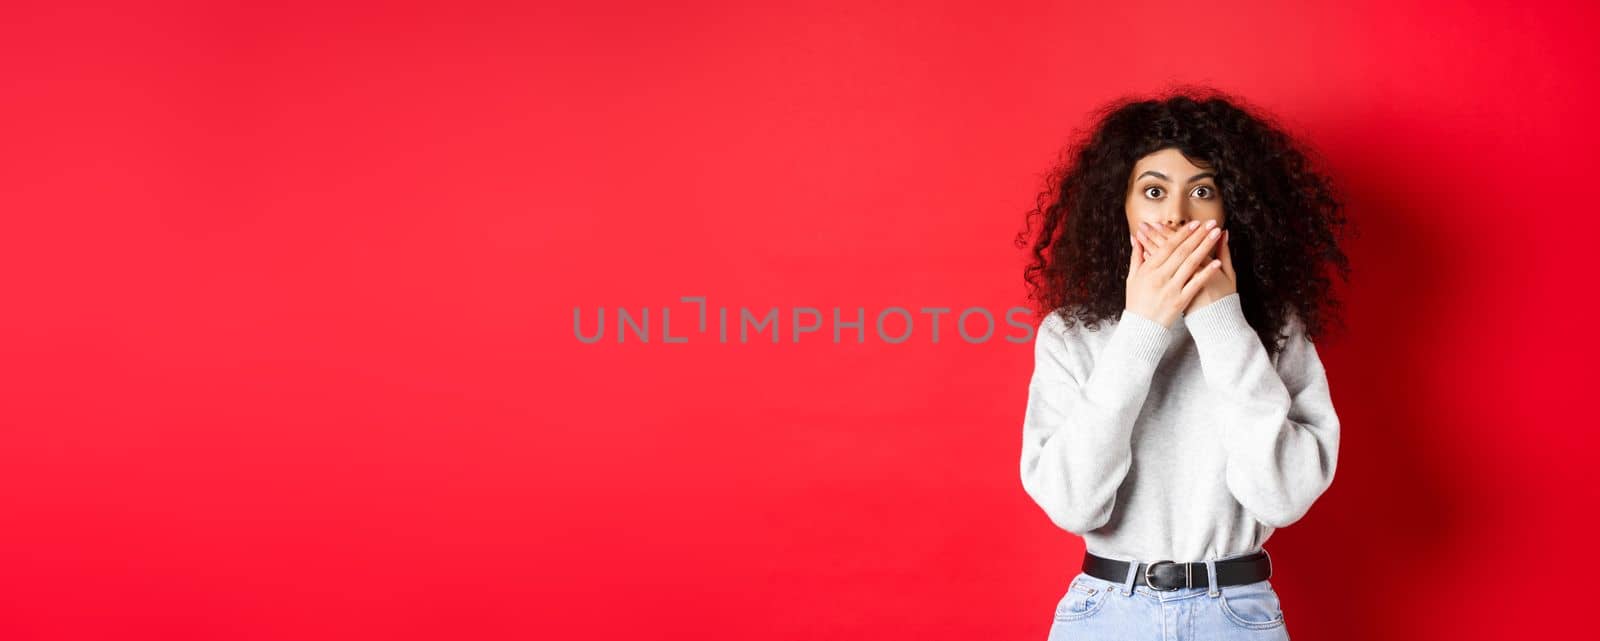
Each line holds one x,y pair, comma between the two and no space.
1182,443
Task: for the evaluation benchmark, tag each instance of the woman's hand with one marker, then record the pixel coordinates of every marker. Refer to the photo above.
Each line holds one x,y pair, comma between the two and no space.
1164,278
1216,285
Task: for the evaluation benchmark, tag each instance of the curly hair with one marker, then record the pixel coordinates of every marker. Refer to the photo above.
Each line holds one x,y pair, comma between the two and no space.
1284,217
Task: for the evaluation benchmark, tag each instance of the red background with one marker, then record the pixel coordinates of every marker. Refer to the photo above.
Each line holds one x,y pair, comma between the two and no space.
288,301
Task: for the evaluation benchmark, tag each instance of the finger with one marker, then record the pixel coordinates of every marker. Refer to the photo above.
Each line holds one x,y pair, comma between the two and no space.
1134,255
1159,242
1180,245
1199,281
1147,244
1197,240
1163,235
1202,240
1199,254
1155,238
1159,235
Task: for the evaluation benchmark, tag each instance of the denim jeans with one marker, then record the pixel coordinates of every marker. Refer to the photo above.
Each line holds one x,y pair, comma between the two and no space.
1095,609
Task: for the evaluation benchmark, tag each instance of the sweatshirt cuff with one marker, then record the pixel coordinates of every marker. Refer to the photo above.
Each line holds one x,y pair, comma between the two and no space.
1220,321
1142,338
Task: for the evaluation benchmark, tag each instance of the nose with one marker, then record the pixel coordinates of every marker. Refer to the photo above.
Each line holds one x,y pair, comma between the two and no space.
1176,215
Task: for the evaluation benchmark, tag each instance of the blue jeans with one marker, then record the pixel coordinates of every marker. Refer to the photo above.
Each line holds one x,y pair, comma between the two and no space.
1095,609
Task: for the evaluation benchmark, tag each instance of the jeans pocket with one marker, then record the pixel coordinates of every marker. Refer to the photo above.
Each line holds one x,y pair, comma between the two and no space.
1084,598
1253,606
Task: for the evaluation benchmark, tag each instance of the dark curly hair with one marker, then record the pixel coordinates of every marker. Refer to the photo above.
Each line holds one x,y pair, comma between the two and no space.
1283,216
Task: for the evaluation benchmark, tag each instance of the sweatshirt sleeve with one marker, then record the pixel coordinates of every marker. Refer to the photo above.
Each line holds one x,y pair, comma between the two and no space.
1078,427
1280,431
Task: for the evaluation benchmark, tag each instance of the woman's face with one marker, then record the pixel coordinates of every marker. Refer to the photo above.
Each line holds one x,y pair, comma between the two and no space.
1168,191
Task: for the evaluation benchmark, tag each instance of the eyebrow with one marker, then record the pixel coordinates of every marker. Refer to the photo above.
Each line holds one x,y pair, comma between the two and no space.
1157,174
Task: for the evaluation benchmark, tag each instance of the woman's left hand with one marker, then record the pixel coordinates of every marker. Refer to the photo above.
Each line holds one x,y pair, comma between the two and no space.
1222,281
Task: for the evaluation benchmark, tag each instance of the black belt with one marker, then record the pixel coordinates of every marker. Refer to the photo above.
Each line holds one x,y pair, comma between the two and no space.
1171,575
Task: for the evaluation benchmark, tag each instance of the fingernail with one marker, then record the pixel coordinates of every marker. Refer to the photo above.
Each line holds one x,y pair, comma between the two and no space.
1210,224
1194,225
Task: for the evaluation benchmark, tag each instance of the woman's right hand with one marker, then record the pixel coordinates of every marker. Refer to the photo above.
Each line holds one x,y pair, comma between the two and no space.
1161,286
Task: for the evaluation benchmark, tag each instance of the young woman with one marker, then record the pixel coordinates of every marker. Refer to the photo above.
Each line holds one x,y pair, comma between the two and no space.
1178,412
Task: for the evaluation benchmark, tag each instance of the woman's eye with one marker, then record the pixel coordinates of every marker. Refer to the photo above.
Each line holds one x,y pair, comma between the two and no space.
1202,191
1153,188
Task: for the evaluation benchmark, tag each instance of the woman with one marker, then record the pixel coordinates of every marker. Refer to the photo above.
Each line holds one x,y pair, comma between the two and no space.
1178,412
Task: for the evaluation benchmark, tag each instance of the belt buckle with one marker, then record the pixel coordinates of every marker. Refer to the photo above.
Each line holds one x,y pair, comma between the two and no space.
1188,580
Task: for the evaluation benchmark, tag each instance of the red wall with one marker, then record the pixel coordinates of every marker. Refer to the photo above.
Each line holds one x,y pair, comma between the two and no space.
288,299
